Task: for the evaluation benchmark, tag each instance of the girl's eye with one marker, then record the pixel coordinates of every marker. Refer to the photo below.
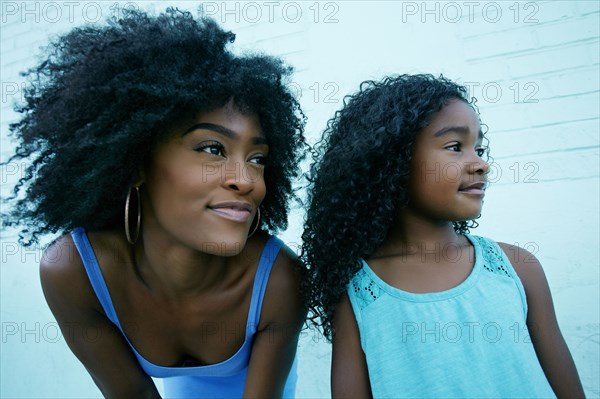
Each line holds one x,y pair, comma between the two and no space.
454,147
481,151
213,148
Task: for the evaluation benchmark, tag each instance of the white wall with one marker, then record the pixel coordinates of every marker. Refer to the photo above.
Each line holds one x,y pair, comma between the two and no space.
533,65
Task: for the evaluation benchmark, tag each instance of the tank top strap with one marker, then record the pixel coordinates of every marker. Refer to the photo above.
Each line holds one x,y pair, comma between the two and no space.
496,261
92,268
261,278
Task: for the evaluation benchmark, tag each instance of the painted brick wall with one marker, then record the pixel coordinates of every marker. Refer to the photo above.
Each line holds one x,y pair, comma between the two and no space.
544,133
534,67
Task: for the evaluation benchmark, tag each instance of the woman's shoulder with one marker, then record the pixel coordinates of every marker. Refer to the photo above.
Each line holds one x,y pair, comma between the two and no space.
286,271
63,255
284,282
284,261
62,271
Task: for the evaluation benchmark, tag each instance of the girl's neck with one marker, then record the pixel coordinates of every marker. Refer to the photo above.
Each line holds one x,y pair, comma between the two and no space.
411,233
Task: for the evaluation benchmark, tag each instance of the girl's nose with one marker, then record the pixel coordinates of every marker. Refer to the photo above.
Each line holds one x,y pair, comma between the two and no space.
478,165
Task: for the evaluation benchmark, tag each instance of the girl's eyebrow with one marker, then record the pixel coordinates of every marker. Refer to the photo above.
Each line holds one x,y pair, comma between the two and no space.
223,131
456,129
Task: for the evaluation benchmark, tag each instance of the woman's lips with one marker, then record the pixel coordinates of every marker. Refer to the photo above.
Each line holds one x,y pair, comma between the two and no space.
237,215
236,211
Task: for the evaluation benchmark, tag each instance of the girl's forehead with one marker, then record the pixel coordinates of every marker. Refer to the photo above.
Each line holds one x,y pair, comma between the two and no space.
456,112
455,117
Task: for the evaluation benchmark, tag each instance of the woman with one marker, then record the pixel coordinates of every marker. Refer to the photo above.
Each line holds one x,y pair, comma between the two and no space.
167,158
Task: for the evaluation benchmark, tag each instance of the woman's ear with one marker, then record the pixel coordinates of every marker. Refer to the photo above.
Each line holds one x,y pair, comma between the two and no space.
140,176
139,179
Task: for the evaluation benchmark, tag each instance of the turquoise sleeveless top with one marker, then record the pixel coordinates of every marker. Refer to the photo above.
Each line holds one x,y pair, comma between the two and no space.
470,341
222,380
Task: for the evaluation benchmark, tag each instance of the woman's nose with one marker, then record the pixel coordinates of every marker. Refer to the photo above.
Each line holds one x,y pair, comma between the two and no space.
238,176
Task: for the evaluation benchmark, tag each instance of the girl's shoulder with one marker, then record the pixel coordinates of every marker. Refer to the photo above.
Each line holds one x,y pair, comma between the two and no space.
527,267
496,255
520,258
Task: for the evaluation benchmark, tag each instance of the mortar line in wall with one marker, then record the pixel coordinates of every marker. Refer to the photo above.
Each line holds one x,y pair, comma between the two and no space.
562,150
279,36
563,179
539,100
545,125
559,71
536,50
556,72
538,24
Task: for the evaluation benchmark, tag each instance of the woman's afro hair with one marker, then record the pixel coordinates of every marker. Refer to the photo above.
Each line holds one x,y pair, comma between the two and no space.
105,96
358,180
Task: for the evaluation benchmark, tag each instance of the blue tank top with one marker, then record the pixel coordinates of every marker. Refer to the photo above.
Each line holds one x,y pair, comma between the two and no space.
221,380
470,341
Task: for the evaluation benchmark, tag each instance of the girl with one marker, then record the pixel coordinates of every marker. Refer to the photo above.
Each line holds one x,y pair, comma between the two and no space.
415,306
166,159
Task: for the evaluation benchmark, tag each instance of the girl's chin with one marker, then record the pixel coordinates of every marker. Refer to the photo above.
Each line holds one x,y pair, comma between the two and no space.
468,218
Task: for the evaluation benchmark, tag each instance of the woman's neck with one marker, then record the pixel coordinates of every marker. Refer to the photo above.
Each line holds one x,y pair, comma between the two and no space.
174,270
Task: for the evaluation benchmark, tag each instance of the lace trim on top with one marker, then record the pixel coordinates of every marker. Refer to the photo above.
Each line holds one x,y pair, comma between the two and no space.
494,260
366,290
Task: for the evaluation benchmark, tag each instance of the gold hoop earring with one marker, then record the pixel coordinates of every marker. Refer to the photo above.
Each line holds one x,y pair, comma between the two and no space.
139,215
257,223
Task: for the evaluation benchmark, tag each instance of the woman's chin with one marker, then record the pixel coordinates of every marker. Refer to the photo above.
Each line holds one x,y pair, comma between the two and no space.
223,247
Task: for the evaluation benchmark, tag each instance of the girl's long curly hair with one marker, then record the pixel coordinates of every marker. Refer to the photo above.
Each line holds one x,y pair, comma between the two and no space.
359,177
106,94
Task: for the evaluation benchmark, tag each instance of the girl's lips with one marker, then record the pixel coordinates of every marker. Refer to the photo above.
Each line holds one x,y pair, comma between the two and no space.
473,190
235,214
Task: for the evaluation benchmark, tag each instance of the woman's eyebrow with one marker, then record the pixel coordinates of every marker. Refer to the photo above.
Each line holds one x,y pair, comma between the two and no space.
223,131
215,128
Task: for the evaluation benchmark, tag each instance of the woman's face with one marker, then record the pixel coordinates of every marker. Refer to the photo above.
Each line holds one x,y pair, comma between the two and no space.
204,185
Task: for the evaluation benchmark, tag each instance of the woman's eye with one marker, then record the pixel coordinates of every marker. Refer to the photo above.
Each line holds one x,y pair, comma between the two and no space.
454,147
211,148
481,151
258,159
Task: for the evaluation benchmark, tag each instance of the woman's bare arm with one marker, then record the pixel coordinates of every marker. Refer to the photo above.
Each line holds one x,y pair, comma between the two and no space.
92,337
276,340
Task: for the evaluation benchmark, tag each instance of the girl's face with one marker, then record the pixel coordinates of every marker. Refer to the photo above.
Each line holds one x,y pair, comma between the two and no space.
205,184
447,173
